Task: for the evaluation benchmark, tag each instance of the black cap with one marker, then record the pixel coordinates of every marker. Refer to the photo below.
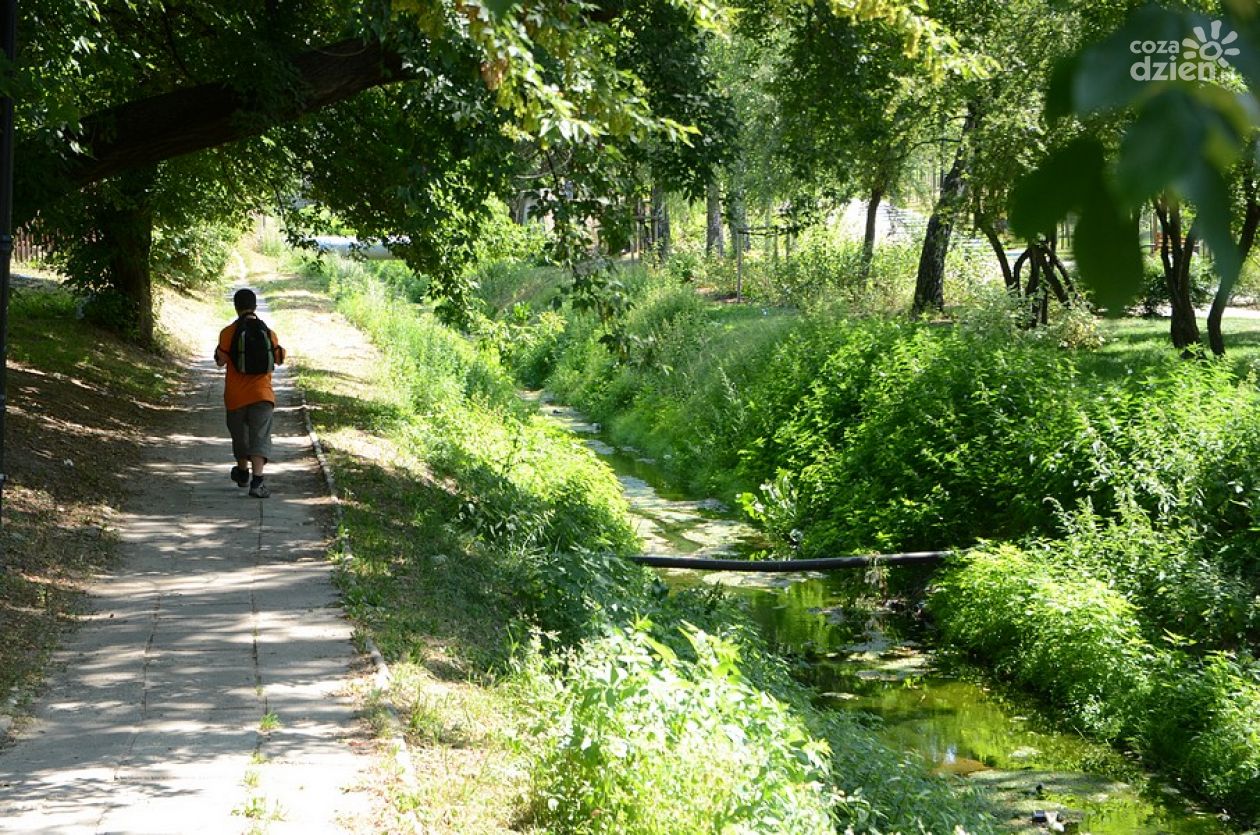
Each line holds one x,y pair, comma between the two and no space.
245,300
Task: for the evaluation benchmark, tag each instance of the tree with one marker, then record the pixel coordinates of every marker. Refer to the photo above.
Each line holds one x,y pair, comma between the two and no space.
114,91
1012,136
675,66
929,282
1182,140
1176,252
853,108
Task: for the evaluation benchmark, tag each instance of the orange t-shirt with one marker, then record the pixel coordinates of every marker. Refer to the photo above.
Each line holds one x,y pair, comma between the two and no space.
243,389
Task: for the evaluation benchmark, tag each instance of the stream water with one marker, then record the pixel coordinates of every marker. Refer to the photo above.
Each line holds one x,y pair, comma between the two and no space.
860,638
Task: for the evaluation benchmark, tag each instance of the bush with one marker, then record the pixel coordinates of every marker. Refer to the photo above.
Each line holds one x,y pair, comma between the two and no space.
1204,722
1155,287
884,434
1073,640
400,278
1167,574
1078,643
502,239
913,437
899,435
195,256
649,743
502,285
110,309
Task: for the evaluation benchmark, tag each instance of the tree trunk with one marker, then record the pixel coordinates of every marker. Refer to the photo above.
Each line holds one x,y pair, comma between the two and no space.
1037,311
127,237
1049,259
1176,254
737,220
929,285
868,233
772,235
1246,240
646,227
999,252
660,223
713,243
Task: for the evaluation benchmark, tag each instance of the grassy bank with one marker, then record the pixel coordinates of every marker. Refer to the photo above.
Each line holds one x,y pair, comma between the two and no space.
1075,640
80,400
1125,476
891,434
488,567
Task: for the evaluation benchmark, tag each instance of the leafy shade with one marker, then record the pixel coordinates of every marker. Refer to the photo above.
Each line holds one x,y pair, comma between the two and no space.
1184,138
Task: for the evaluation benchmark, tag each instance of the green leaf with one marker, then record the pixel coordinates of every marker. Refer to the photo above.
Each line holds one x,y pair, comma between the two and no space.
1059,93
1204,186
1159,146
1048,194
1244,20
1105,78
1107,252
499,8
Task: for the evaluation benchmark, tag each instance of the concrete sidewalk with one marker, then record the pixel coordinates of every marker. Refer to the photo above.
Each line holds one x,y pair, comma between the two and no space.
221,613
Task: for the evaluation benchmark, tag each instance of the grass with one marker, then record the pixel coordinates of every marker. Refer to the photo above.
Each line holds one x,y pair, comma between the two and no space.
1134,344
486,568
79,401
430,599
1090,445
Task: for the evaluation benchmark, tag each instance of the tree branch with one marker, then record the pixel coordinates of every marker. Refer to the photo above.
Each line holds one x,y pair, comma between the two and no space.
147,131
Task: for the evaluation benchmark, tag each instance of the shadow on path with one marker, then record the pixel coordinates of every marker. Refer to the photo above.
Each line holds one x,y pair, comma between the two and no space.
222,612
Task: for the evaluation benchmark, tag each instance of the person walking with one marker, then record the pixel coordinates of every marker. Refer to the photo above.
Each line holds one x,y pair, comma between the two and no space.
249,350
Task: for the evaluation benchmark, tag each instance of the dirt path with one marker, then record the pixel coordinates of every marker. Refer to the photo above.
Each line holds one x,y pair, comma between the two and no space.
208,692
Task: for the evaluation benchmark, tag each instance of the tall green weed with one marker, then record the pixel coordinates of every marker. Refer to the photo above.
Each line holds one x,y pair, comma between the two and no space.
654,744
1079,643
661,726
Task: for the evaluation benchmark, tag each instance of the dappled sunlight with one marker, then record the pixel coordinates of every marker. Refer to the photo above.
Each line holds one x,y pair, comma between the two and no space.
222,614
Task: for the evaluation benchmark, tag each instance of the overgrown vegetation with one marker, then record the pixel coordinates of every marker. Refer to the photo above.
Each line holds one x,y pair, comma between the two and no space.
1072,637
1124,478
652,712
880,433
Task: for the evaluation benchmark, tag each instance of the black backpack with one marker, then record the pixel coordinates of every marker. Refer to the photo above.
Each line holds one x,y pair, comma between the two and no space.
252,349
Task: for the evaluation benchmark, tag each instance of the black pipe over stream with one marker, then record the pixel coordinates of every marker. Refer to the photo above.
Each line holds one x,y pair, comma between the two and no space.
787,566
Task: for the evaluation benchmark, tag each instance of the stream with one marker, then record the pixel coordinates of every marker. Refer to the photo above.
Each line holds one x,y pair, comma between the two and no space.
861,642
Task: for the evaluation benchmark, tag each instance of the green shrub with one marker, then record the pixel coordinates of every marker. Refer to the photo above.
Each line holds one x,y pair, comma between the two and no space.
399,277
1204,723
872,433
192,256
921,438
1169,575
649,743
1073,640
501,285
1155,298
501,238
1078,643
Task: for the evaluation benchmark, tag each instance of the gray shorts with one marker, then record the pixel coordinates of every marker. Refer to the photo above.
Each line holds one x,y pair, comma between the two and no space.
251,430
